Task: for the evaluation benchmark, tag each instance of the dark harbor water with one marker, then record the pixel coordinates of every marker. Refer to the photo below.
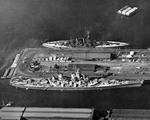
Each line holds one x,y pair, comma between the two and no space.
123,98
27,23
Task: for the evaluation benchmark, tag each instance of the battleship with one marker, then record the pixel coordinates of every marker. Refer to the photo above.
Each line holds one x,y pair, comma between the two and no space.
83,43
78,64
70,84
50,69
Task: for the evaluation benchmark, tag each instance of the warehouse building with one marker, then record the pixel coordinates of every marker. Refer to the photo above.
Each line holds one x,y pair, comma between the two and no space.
35,113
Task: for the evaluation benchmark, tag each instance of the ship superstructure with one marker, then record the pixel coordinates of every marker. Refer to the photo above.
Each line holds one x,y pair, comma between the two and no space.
48,69
83,43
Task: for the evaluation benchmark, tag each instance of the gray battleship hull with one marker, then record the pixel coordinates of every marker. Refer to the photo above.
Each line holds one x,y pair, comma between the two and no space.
138,84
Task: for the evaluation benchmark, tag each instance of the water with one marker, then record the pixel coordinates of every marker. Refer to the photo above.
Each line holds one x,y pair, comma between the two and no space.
25,23
123,98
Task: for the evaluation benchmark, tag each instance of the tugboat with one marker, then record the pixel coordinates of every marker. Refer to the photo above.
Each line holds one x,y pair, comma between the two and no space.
83,43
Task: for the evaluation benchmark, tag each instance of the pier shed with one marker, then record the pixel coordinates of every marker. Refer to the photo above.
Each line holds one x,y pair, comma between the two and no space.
92,55
11,113
36,113
83,67
130,114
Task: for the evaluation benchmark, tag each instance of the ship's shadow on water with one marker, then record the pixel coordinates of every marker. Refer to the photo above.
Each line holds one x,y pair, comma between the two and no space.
123,98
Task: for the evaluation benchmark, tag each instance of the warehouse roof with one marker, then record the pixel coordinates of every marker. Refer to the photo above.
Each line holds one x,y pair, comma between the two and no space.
14,113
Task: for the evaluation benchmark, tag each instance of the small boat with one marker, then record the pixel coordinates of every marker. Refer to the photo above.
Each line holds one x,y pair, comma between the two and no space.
128,11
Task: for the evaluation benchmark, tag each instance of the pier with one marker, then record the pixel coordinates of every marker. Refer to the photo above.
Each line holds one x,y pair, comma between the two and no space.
6,73
15,62
9,72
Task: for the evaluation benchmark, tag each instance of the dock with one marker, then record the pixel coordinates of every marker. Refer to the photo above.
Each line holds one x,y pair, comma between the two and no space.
9,72
6,73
